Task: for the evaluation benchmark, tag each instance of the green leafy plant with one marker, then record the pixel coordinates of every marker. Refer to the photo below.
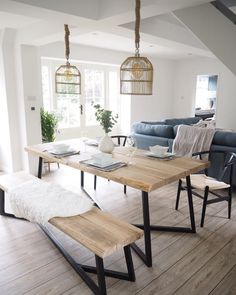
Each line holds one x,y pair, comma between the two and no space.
105,118
49,123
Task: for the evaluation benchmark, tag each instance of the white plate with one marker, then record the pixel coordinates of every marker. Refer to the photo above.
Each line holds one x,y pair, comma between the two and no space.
62,152
91,142
102,165
166,155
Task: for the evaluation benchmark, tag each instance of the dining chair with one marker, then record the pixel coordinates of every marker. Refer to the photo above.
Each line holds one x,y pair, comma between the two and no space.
211,186
48,163
121,141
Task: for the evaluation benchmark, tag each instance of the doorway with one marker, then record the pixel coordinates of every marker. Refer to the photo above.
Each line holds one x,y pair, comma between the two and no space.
206,91
76,114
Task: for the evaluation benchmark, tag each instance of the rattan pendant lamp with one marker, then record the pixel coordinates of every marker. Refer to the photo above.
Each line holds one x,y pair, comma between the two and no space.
136,72
68,78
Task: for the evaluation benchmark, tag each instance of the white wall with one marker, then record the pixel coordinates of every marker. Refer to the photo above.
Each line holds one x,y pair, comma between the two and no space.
32,98
5,147
185,89
20,86
214,30
158,105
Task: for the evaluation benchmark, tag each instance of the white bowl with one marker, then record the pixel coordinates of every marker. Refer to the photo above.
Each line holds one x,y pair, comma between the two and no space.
159,150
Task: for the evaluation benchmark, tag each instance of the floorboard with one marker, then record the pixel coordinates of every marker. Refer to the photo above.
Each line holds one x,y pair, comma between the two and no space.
202,263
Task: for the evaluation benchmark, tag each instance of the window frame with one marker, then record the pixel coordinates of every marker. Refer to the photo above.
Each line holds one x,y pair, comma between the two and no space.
52,64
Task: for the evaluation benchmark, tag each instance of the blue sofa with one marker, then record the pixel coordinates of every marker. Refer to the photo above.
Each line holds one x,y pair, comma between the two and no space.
163,133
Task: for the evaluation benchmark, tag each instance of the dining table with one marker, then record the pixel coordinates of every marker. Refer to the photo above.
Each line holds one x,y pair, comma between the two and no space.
146,173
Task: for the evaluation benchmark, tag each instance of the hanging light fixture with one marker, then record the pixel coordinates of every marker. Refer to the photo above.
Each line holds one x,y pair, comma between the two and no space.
136,72
68,78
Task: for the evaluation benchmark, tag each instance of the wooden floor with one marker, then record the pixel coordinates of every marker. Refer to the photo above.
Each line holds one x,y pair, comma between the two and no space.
202,263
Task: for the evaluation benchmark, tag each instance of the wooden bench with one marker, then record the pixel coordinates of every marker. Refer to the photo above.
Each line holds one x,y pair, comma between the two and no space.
100,232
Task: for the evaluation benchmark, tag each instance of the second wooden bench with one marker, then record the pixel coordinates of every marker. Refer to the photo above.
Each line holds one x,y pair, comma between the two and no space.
100,232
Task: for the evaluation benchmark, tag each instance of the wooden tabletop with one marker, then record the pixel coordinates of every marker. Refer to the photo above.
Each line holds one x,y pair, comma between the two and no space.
146,174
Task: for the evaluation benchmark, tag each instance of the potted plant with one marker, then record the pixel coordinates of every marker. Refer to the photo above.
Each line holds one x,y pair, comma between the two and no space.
49,123
107,121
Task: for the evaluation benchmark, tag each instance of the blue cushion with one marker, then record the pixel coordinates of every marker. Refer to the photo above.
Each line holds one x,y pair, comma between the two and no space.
175,129
145,141
224,138
165,131
185,121
154,122
142,128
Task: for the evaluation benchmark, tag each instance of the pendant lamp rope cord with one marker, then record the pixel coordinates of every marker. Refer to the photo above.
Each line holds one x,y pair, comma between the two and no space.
137,26
67,34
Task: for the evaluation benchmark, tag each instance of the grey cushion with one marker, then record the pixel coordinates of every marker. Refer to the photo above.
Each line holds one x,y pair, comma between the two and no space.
185,121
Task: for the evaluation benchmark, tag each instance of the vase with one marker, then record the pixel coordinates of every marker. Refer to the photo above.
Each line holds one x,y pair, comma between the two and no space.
106,144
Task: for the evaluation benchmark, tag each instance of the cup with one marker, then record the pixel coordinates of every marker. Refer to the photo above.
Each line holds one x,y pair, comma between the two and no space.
131,143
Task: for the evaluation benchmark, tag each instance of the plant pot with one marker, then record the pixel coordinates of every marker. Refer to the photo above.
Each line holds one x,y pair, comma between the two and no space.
106,144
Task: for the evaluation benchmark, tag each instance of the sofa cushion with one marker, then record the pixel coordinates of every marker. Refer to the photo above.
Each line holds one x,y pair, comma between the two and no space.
154,122
224,138
165,131
185,121
145,141
175,129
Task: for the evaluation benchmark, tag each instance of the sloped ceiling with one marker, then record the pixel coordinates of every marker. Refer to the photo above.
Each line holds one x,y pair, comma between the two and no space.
104,23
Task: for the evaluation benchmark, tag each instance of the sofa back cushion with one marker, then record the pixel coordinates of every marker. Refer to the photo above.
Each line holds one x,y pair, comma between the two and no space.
145,141
154,122
224,138
185,121
165,131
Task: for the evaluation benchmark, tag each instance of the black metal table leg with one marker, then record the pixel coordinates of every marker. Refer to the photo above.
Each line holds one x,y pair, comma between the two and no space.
190,204
96,203
82,178
40,167
147,256
147,227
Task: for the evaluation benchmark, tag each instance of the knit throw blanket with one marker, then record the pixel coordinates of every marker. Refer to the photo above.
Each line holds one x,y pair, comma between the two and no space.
38,201
190,139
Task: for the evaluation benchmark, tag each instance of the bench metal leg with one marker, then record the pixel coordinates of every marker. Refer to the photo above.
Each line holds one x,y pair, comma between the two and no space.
2,202
2,207
101,275
129,263
82,270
